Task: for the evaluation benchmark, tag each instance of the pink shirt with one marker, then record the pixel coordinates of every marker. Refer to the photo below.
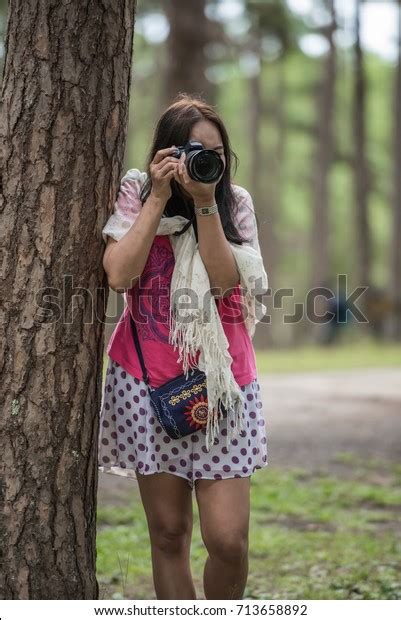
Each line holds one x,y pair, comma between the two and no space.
149,301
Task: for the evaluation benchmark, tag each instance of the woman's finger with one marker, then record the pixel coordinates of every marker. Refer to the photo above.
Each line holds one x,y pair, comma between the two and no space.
177,178
181,168
169,165
169,176
163,162
160,155
183,171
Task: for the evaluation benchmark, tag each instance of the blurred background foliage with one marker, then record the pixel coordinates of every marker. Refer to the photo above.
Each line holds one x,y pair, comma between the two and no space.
311,96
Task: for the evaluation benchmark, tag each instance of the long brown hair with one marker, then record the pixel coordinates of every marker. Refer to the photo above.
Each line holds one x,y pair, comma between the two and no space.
174,128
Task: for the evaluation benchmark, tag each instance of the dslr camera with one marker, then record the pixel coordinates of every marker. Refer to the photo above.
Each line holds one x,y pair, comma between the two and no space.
203,165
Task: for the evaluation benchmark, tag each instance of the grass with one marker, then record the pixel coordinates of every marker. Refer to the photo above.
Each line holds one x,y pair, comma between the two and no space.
364,354
311,537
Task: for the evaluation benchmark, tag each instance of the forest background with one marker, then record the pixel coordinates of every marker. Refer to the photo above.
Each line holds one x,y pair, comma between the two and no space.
310,91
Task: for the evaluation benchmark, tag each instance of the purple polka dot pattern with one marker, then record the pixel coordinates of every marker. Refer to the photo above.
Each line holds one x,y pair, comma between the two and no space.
132,440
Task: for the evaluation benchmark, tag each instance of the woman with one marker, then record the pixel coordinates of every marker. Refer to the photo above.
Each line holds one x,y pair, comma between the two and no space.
131,441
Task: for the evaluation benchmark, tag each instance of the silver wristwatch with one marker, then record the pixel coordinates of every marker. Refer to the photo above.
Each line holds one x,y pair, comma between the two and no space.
206,210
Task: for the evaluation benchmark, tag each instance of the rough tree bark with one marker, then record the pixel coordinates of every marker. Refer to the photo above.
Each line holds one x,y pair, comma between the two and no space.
320,270
3,21
63,127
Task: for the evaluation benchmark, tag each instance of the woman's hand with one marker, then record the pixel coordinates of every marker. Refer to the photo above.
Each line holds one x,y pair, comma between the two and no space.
162,170
203,194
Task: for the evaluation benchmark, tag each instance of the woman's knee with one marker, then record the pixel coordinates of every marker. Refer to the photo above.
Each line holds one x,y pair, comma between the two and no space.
228,546
171,536
167,501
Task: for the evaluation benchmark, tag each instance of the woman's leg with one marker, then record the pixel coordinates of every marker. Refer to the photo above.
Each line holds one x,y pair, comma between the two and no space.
167,500
224,510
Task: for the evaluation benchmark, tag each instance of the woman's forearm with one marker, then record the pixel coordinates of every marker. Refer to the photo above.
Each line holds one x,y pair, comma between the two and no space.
216,254
129,255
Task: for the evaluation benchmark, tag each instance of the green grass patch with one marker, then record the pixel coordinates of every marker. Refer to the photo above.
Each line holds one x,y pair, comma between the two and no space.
314,358
311,537
340,357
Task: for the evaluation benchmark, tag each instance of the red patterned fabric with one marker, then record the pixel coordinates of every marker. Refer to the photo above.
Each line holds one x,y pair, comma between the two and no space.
149,299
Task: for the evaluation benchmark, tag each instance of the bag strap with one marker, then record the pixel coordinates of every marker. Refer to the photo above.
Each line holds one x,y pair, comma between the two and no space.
139,350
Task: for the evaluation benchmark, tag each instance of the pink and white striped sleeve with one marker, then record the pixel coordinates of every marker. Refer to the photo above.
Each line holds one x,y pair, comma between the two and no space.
244,217
126,207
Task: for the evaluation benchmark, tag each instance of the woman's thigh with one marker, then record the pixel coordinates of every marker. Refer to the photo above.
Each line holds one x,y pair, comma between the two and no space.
167,501
224,511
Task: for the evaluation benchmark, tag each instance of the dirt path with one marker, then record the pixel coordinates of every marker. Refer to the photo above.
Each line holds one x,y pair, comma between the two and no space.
313,416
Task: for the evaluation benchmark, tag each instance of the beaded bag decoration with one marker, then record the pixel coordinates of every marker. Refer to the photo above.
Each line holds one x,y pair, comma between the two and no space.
180,404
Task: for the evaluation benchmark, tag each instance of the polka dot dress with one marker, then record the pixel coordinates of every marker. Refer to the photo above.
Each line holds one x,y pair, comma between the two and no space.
131,438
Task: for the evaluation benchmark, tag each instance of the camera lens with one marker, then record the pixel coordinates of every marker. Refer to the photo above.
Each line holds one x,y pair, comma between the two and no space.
205,166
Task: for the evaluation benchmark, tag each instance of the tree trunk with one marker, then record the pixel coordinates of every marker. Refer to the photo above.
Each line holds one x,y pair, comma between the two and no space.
267,190
255,115
324,155
63,128
395,288
190,32
363,248
255,105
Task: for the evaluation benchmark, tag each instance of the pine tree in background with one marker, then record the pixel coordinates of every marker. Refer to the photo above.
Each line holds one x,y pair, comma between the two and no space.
395,269
270,23
361,172
320,237
190,33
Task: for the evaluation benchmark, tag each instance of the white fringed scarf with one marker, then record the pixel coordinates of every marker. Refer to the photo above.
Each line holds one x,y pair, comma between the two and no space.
200,329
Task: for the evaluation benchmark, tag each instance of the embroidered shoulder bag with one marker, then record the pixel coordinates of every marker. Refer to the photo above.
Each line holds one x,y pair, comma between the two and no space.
180,404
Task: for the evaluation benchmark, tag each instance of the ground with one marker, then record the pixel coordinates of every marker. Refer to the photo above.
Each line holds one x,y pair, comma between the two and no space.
334,449
316,415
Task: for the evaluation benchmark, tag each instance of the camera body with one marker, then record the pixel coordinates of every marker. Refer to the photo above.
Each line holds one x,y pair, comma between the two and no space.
203,165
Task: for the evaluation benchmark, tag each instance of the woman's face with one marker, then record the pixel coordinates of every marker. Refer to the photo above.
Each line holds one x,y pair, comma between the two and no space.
208,134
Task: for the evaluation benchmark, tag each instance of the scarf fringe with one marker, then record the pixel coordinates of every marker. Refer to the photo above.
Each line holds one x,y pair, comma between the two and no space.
193,336
189,272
